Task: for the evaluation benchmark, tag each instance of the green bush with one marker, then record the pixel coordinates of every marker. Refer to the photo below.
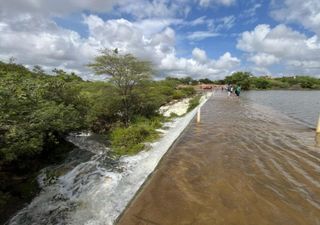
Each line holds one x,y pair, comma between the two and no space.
183,93
194,102
262,83
130,140
35,110
278,84
178,94
188,91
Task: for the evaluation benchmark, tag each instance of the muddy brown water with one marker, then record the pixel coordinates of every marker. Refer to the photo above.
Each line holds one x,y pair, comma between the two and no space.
243,164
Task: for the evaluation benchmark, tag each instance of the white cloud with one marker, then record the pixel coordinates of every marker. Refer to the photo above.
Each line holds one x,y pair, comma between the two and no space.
34,40
226,23
152,26
199,55
251,12
263,59
142,9
214,27
305,12
207,3
261,71
29,34
226,61
200,35
213,69
139,9
198,21
158,47
56,7
267,46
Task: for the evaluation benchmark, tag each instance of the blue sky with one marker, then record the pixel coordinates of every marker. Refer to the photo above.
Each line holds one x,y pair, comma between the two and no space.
198,38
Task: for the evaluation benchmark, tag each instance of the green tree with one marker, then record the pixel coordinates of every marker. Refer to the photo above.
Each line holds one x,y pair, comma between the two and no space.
126,74
35,110
206,81
262,83
240,78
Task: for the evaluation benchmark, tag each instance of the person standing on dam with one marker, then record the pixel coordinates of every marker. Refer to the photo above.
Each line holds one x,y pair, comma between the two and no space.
229,89
238,90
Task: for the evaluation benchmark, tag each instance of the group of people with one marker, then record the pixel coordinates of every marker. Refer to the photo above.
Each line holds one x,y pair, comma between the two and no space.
231,89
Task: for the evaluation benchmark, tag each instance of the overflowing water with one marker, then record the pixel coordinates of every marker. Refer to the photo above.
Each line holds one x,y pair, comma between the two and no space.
64,185
91,187
243,164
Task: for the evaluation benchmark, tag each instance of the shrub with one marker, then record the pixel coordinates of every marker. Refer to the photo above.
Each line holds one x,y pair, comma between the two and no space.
130,140
262,83
194,102
188,91
178,94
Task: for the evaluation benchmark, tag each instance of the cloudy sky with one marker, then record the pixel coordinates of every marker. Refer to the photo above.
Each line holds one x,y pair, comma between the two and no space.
198,38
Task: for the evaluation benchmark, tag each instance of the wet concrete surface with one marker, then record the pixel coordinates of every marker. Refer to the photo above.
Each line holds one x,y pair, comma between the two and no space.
243,164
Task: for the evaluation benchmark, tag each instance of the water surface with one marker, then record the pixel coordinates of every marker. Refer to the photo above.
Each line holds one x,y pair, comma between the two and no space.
243,164
301,105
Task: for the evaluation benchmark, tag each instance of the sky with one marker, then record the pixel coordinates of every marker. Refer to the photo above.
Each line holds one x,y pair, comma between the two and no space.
197,38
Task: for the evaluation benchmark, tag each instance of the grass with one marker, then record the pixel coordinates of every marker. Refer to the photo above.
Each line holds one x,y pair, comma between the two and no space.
194,102
131,140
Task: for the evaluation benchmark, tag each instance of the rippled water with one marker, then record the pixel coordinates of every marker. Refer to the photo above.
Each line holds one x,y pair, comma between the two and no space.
243,164
301,105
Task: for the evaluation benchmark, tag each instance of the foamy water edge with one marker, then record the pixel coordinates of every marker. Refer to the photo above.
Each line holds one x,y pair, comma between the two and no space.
110,198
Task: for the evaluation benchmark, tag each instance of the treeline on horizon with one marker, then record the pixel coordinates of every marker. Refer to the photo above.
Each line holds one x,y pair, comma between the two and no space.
250,82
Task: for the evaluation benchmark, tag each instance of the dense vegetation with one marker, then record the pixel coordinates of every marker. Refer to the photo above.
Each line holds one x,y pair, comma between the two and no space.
37,110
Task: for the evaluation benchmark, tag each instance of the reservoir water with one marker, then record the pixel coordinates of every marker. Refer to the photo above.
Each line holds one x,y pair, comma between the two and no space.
245,163
300,105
